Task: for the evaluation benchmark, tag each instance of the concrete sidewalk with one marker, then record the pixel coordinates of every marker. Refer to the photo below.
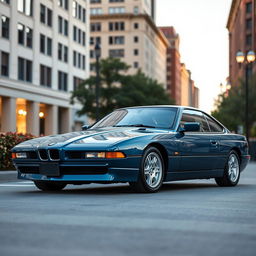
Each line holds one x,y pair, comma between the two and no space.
6,176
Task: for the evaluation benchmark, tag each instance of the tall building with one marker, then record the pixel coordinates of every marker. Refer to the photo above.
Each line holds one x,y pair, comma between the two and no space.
242,35
126,30
185,86
173,65
44,48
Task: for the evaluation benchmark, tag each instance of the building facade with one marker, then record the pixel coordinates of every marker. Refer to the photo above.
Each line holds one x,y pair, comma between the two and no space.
44,54
185,86
173,65
126,30
242,35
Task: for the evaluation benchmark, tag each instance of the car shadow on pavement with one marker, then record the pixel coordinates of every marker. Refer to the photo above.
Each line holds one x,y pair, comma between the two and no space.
125,189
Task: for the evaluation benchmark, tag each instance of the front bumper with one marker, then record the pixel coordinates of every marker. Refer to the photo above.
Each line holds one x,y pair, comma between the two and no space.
125,170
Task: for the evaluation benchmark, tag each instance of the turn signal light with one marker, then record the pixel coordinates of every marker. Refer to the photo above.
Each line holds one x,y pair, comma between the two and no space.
115,155
19,155
13,155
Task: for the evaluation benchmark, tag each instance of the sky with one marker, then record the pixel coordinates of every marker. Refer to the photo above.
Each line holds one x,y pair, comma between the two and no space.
201,25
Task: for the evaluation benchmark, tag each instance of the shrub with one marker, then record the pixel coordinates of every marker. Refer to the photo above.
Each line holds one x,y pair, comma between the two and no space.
7,142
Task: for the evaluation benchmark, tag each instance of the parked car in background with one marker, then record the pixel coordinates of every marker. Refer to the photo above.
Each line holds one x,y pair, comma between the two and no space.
144,146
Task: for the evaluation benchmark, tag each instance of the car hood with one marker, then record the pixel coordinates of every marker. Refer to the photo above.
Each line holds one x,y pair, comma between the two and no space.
94,138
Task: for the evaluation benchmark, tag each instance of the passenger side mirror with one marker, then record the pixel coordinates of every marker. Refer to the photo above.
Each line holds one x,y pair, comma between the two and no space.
85,127
190,127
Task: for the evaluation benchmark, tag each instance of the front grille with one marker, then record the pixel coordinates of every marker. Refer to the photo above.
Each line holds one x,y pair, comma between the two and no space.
32,155
54,154
29,169
83,169
43,154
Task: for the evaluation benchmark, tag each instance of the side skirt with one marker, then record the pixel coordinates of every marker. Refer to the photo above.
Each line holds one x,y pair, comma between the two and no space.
188,175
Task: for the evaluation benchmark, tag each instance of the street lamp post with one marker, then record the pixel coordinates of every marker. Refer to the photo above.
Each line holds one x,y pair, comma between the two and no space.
97,50
250,58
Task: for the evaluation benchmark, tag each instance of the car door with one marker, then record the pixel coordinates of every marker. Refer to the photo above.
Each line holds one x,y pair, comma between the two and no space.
194,147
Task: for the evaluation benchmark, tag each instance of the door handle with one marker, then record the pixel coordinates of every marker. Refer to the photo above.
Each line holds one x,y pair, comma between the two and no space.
214,142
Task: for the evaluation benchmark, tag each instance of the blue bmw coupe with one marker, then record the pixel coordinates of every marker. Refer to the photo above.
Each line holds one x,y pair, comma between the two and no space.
144,146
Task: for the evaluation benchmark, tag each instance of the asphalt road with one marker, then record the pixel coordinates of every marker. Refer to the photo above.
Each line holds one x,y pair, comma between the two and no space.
184,219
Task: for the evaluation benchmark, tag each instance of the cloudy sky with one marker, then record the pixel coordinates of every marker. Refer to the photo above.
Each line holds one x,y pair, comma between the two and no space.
201,25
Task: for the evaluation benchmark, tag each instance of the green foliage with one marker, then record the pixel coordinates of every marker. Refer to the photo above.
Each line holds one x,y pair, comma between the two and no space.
117,89
7,142
231,108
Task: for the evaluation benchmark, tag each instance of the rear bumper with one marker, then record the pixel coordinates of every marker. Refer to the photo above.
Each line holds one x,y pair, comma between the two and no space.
245,159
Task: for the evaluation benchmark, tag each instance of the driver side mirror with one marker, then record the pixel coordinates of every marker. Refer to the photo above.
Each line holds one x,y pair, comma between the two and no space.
190,127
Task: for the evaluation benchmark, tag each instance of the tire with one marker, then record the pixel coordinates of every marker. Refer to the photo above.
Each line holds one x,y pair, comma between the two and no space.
151,172
231,173
49,186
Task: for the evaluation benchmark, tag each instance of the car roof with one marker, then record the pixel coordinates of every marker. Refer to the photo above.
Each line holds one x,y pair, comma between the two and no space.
163,106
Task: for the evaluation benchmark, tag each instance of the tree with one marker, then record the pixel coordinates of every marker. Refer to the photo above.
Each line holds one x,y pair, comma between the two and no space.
230,108
117,89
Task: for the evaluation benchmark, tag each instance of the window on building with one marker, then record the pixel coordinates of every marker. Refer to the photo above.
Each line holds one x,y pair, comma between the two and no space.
24,70
95,27
29,37
45,15
116,53
94,40
63,26
136,25
135,64
248,40
25,6
248,24
113,10
78,60
63,4
248,7
5,26
45,45
62,81
25,35
21,33
136,39
136,10
4,64
116,40
45,76
96,11
116,26
76,82
136,52
62,52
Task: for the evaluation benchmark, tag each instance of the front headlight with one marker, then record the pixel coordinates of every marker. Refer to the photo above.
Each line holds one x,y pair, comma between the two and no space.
104,155
19,155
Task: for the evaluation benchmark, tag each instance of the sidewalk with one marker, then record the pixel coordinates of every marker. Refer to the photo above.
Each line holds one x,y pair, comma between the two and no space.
7,176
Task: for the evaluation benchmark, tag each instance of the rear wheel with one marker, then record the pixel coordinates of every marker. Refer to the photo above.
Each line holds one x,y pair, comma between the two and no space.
151,172
231,172
49,185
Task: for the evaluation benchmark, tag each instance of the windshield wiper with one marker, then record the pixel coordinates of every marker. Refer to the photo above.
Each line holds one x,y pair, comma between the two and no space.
135,125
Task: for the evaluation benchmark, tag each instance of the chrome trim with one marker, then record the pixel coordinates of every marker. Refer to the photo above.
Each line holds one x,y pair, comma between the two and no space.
49,155
38,151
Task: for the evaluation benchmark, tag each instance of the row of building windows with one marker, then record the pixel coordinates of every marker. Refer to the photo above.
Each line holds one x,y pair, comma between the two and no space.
112,10
79,12
113,26
112,40
115,53
25,70
79,36
78,60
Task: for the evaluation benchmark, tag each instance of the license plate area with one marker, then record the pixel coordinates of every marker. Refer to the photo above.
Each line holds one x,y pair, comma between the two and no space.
49,169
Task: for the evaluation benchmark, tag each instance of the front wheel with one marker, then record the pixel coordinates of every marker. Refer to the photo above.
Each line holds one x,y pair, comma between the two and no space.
49,185
151,172
231,172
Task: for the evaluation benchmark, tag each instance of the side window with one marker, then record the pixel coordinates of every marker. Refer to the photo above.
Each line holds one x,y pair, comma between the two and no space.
214,126
190,116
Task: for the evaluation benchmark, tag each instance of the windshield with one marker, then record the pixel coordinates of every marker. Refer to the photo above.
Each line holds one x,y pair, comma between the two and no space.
140,117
